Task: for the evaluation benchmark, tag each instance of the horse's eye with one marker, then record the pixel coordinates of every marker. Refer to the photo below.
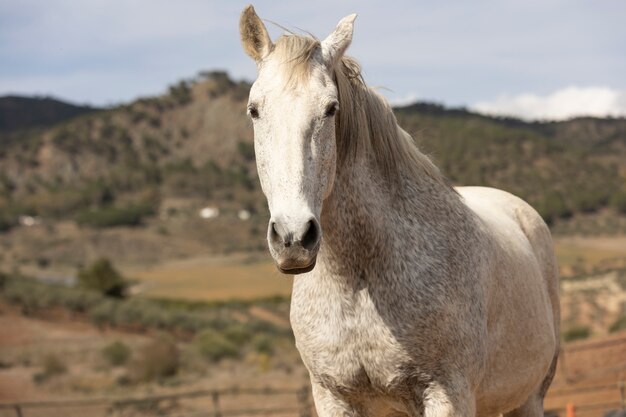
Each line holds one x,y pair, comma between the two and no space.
253,111
331,109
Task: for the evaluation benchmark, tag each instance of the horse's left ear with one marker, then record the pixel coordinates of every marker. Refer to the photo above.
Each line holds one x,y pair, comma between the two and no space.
334,46
254,37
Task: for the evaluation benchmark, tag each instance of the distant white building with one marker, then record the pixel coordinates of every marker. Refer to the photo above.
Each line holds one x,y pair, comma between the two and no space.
243,215
28,221
209,212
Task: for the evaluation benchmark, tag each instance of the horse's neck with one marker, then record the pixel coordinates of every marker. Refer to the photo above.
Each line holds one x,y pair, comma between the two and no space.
366,219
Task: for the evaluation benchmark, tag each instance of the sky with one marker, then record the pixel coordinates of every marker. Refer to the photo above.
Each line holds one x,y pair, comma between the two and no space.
534,59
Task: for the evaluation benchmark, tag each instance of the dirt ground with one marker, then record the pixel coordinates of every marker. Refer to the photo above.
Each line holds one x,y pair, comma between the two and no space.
587,376
25,342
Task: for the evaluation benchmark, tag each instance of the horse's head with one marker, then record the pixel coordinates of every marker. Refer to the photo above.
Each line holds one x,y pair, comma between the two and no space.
293,104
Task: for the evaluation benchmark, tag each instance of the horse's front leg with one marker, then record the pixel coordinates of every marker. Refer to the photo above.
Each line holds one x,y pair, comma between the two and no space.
449,399
329,405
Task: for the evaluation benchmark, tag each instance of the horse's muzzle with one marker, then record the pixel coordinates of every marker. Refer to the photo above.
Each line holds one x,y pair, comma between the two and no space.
298,270
294,246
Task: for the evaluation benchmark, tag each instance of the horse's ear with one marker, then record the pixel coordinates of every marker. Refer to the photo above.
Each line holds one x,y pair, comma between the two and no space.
334,46
254,37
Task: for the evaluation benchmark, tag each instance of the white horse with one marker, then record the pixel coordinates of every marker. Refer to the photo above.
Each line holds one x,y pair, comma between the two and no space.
412,298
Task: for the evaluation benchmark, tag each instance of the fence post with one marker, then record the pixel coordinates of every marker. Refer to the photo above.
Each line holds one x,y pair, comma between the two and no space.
216,404
303,399
18,410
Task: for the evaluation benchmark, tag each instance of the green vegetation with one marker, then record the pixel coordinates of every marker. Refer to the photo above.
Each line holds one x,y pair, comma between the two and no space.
618,325
131,215
215,346
576,333
101,276
33,296
6,222
116,353
561,168
181,93
246,150
219,334
564,169
618,201
263,344
552,206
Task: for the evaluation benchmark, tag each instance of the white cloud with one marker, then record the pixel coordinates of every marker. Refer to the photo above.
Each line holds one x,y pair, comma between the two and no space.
452,52
562,104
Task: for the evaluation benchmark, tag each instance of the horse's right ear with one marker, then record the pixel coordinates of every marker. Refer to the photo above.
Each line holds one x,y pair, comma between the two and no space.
334,46
254,37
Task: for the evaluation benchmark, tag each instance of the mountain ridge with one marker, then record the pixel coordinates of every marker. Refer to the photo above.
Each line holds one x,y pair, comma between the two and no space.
25,112
195,142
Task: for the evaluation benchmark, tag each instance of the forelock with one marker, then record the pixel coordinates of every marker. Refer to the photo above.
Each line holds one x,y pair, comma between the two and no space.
295,54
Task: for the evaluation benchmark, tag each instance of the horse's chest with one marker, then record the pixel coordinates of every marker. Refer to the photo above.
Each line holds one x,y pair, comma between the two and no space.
348,349
359,368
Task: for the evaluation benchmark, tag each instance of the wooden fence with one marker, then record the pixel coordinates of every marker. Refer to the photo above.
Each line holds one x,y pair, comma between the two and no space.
170,405
570,395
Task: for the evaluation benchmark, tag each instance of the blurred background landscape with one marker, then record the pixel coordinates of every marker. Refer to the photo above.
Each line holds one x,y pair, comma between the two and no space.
134,272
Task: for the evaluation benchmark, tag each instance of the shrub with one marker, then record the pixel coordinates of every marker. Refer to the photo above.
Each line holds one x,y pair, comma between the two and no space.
52,366
33,295
43,262
157,360
116,353
619,324
588,200
552,207
238,333
263,344
181,93
618,202
576,333
131,215
246,150
102,277
214,346
6,222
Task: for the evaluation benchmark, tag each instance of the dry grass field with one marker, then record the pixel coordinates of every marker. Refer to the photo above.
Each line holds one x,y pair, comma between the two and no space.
212,278
241,276
578,254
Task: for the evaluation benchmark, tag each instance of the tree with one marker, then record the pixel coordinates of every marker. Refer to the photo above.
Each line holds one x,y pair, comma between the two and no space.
102,276
618,201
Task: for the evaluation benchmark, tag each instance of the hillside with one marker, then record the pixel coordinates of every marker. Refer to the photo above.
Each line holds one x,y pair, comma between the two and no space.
26,112
154,163
561,168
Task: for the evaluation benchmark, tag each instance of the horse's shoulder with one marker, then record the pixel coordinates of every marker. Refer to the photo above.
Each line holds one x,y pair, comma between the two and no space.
493,201
490,195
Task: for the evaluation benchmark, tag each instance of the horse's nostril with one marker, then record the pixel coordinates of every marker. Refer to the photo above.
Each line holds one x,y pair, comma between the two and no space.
273,233
306,236
311,236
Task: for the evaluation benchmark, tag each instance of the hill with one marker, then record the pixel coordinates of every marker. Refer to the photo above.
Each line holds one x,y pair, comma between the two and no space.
155,162
561,168
26,112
